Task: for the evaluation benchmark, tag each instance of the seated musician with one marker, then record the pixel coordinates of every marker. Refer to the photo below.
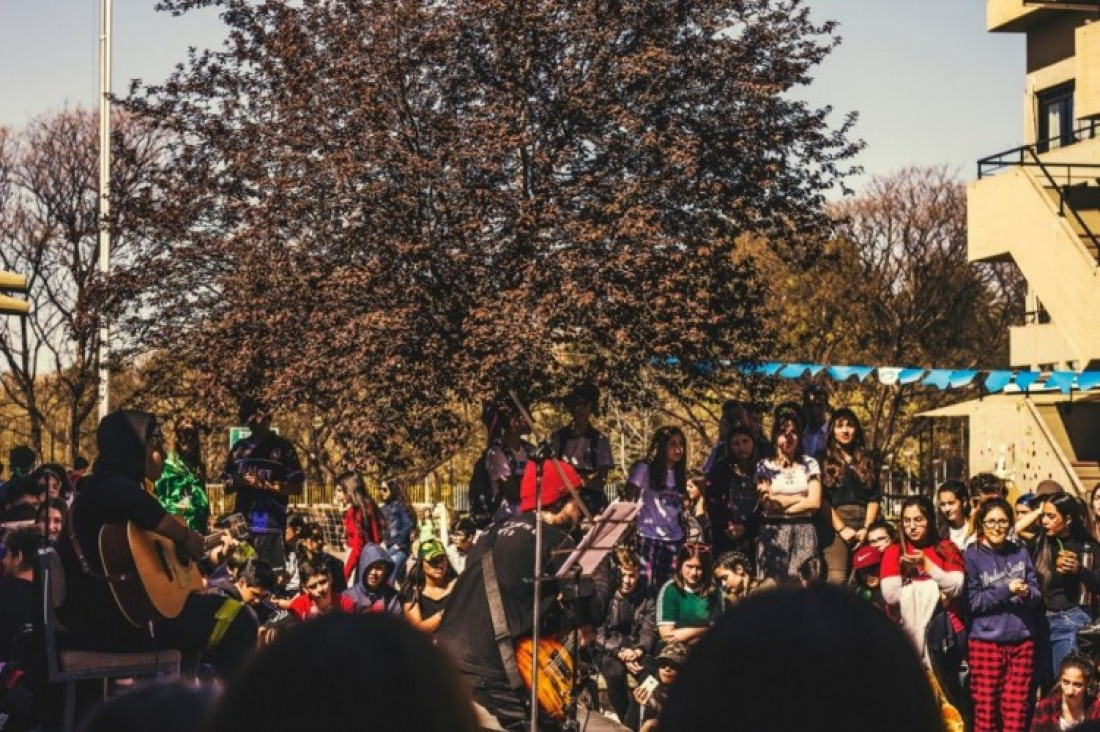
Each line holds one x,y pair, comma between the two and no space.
131,457
467,630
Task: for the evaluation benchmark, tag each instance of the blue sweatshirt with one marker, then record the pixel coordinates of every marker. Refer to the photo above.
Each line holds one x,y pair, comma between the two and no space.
996,615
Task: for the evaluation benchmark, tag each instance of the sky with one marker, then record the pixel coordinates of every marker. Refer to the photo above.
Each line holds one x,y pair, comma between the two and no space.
931,86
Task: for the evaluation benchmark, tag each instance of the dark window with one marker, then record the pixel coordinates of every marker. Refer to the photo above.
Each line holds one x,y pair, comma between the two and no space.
1056,117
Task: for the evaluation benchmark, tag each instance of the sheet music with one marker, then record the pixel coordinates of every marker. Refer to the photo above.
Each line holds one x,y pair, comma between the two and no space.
605,533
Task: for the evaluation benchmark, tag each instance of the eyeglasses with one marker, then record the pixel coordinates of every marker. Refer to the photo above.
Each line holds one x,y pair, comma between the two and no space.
995,523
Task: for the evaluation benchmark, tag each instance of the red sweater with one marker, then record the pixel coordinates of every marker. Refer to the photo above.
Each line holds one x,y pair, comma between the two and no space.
944,555
358,537
302,605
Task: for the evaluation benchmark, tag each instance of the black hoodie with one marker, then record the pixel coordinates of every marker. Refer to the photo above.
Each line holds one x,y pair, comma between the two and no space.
113,494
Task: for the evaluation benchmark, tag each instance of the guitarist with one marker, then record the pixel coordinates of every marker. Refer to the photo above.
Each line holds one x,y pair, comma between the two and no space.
467,631
264,471
131,457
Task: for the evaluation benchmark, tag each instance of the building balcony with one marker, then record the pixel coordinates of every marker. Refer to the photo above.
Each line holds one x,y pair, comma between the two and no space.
1016,16
1038,345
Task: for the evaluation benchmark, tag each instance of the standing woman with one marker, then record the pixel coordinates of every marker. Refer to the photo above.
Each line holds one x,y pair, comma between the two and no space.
1065,560
731,493
1094,510
789,490
400,522
922,556
660,483
181,488
424,597
953,519
1002,590
851,490
363,520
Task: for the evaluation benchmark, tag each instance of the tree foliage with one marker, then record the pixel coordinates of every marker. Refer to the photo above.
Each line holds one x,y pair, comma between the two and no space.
389,209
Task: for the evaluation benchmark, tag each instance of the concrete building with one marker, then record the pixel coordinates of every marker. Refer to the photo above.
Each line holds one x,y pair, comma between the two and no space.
1038,205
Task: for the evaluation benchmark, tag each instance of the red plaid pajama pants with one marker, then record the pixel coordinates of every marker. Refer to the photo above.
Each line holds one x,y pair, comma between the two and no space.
1000,683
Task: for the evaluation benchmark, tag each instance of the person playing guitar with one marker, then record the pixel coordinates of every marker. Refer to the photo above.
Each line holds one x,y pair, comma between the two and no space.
507,552
131,452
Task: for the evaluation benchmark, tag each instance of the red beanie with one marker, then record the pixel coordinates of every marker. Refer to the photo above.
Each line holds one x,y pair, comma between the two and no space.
552,487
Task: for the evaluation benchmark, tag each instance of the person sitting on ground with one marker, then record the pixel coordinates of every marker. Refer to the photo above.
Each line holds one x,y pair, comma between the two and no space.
652,699
462,537
372,592
289,584
52,515
866,563
1072,701
17,595
625,639
881,535
176,706
349,672
251,585
853,669
53,482
317,597
733,574
311,548
428,587
22,500
689,602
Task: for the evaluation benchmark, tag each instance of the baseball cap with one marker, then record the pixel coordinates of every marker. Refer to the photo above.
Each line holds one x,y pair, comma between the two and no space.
431,549
867,556
676,652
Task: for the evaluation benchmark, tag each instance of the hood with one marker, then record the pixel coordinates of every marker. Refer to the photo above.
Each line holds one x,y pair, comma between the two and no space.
121,439
371,553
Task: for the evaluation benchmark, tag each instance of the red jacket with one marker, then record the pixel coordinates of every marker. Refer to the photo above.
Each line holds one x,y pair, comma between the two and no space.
944,555
1049,711
360,532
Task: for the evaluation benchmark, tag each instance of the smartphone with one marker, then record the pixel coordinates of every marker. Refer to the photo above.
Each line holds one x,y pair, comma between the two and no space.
649,686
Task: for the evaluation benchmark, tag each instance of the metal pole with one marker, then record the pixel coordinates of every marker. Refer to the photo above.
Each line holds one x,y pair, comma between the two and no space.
105,13
536,615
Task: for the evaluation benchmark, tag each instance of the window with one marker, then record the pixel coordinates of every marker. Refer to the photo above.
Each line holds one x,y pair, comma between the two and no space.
1056,117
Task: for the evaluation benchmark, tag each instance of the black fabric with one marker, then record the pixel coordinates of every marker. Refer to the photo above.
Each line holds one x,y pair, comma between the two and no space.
850,489
731,499
272,459
429,607
466,632
17,611
1063,591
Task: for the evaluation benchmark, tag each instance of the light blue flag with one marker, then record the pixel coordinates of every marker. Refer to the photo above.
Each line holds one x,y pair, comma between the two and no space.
843,373
997,381
961,378
939,378
1024,379
1088,380
1061,380
910,376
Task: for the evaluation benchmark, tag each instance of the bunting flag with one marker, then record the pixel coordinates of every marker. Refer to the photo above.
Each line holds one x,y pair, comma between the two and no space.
990,382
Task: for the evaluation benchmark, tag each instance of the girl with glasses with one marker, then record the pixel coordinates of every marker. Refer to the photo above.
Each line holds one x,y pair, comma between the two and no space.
922,575
1003,593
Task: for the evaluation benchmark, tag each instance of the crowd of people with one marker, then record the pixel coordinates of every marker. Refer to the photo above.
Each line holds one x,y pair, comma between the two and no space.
996,599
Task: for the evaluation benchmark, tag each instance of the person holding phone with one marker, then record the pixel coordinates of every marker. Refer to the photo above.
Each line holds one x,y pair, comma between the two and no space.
1002,590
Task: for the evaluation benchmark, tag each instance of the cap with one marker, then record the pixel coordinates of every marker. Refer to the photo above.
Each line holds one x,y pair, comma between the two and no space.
675,651
552,486
867,556
431,549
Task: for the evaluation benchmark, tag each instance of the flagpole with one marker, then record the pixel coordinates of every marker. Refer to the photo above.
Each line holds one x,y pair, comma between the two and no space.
105,13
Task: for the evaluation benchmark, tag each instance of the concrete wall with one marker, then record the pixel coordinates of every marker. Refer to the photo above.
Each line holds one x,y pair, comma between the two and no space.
1006,439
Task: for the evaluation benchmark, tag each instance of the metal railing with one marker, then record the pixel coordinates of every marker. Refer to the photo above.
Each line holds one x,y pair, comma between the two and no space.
1027,156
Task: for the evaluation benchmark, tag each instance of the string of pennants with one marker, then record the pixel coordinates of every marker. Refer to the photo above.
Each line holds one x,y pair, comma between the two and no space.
992,382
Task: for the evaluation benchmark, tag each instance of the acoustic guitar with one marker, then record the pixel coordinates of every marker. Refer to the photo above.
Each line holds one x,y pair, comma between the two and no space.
151,576
555,677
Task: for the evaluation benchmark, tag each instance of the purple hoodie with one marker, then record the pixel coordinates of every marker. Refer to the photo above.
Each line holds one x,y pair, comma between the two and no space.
996,615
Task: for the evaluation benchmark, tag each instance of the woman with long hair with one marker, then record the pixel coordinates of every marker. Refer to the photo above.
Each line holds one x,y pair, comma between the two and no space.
1094,510
920,574
789,491
424,596
400,520
363,520
53,515
660,484
953,518
688,603
731,493
1072,702
1003,593
851,490
1066,561
181,488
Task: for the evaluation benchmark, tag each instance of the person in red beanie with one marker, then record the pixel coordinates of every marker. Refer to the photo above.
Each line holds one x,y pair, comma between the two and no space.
506,552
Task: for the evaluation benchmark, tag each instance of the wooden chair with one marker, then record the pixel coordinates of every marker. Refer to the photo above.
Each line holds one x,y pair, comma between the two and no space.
67,667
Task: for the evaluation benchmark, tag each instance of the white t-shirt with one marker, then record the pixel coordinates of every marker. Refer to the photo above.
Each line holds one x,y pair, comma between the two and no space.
793,481
659,516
